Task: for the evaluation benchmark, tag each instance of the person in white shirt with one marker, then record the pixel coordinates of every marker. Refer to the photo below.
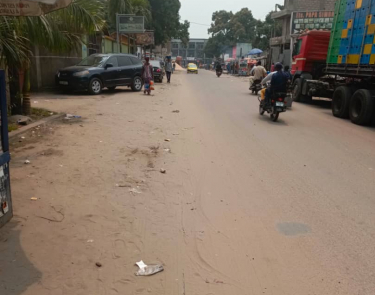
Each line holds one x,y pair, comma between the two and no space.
258,72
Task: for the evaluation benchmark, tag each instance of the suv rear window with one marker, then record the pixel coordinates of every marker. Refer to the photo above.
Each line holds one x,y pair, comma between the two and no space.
136,61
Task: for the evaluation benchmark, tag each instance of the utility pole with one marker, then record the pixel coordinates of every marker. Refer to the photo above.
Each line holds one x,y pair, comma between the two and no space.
118,32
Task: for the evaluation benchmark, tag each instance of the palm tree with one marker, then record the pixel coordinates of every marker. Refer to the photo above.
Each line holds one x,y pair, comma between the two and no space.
137,7
59,31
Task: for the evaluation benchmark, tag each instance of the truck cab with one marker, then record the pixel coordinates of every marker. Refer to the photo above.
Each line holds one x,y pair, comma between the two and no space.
308,64
310,54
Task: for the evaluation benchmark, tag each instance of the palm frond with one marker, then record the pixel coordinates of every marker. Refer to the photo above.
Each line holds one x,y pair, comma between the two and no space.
14,49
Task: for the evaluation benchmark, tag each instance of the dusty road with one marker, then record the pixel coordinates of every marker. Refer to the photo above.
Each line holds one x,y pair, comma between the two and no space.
246,206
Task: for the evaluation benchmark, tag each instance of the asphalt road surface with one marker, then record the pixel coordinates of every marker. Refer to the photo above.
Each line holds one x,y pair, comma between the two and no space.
293,201
246,206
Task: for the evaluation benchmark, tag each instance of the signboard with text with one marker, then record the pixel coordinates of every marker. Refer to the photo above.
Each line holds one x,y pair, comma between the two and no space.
310,20
145,39
131,24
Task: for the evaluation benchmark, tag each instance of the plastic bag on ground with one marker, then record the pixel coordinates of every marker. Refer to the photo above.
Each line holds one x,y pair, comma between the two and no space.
148,270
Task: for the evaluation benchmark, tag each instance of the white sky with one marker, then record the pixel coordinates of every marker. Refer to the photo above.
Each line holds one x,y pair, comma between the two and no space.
200,11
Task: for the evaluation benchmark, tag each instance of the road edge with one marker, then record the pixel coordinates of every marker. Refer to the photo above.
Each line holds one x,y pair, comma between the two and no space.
35,124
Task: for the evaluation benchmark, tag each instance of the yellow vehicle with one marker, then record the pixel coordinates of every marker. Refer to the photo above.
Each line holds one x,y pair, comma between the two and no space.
192,68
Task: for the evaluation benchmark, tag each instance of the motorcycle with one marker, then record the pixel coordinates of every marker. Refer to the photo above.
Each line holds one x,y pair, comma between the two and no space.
277,105
219,73
256,87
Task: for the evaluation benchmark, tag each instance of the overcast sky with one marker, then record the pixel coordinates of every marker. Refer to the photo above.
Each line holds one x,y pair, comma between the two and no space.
200,11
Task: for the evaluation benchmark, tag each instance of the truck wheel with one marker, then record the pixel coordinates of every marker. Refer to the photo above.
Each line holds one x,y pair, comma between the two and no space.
341,101
297,90
361,107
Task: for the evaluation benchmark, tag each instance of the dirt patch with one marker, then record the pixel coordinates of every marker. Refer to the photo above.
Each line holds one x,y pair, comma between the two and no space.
51,152
40,113
154,150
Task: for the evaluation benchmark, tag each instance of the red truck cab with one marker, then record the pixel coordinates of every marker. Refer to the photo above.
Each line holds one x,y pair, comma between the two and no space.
310,51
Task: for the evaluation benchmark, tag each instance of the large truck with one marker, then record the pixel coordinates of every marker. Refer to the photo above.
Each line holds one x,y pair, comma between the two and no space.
340,65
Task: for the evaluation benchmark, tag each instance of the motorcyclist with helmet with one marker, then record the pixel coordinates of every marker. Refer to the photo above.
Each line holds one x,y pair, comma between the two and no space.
218,67
279,83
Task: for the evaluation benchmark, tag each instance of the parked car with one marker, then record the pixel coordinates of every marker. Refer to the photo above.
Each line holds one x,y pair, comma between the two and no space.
102,70
192,68
159,71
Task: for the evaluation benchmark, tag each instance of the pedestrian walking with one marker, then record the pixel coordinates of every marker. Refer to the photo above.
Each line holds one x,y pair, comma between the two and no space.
174,67
147,76
168,69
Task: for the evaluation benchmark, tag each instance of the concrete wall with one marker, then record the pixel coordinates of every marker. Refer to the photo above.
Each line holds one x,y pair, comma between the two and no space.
306,5
124,48
275,53
108,48
44,66
246,47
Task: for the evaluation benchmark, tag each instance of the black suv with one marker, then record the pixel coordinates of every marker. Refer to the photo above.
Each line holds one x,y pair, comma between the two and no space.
102,70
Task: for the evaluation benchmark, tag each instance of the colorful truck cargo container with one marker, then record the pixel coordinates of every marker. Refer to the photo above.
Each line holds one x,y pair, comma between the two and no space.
340,64
352,37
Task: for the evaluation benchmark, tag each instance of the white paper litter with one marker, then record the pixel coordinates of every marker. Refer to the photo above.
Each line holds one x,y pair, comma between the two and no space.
148,270
141,264
135,191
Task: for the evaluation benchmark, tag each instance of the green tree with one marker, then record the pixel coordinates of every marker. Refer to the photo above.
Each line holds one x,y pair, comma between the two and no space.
267,29
137,7
222,34
243,26
166,21
221,23
212,48
227,29
183,32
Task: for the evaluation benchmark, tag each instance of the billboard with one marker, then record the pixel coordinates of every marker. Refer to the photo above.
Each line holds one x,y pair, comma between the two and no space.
310,20
145,39
131,24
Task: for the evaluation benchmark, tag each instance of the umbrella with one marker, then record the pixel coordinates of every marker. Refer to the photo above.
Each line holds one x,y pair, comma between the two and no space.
255,51
30,7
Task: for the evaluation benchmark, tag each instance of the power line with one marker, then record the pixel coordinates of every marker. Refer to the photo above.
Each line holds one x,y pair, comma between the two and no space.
200,24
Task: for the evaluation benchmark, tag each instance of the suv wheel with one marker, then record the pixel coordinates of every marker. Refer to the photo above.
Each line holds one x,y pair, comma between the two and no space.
137,84
95,86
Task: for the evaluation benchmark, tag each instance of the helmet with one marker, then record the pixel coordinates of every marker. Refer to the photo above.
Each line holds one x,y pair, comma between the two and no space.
278,66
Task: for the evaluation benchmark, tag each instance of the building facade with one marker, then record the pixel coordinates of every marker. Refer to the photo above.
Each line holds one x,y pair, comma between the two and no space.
281,45
194,51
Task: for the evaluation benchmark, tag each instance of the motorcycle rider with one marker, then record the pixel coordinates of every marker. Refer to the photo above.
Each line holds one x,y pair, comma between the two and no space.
258,72
264,83
218,68
287,73
278,82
